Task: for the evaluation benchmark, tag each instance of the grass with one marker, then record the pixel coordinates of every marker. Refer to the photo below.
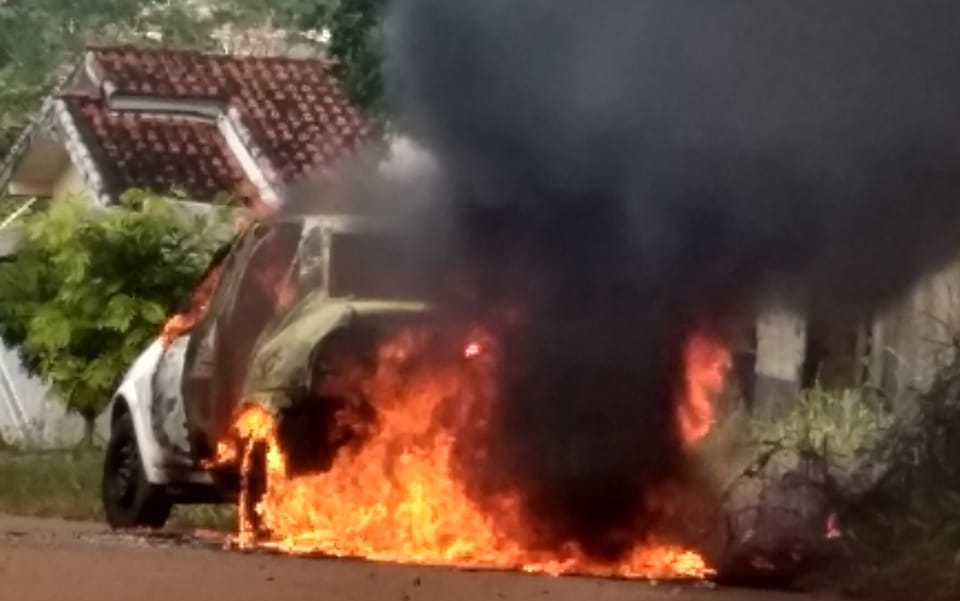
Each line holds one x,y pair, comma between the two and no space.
62,484
66,484
892,478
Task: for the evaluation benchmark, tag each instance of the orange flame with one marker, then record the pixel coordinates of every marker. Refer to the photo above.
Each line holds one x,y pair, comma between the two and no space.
706,363
199,303
396,495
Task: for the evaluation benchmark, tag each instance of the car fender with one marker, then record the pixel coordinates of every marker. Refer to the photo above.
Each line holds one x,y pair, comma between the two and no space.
135,392
281,358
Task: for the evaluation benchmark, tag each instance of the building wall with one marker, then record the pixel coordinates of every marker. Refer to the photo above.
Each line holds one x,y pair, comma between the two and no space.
898,351
30,415
912,340
10,239
70,182
781,347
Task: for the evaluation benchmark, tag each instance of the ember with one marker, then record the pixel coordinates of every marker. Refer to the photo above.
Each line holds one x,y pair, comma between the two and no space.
399,494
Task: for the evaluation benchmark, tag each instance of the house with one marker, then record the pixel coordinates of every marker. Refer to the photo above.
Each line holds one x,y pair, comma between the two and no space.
896,352
194,124
179,122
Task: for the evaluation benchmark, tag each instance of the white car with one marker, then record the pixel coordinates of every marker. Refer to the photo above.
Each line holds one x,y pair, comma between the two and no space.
282,293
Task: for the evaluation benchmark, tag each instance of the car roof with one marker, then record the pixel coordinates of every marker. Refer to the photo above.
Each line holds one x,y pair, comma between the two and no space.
334,222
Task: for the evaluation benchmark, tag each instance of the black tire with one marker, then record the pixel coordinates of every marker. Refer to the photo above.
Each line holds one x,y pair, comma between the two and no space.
129,500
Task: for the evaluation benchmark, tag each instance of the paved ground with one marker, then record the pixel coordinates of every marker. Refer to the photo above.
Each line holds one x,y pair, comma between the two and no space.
51,560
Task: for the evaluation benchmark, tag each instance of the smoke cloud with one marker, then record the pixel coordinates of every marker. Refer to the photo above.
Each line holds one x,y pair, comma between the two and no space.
622,173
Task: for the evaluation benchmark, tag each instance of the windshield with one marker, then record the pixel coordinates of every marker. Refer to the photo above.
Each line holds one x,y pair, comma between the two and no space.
374,266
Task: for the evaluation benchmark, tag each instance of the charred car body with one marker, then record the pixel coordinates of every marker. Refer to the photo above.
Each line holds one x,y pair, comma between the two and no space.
279,303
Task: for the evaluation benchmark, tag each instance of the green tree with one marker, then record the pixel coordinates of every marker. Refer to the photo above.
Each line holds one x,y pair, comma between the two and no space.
356,41
89,288
36,37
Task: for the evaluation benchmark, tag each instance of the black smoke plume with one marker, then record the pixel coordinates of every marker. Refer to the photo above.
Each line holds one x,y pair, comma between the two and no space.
626,172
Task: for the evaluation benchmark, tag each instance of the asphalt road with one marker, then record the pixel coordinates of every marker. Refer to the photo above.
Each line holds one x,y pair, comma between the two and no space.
52,560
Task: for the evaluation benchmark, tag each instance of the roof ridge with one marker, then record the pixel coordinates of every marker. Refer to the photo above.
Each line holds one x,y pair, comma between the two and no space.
208,54
9,161
84,156
84,94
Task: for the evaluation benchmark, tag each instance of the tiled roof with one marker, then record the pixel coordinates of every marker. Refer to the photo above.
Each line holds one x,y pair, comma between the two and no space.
170,120
296,116
157,152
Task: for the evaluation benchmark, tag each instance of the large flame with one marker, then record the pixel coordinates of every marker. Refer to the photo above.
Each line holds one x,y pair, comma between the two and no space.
396,494
706,363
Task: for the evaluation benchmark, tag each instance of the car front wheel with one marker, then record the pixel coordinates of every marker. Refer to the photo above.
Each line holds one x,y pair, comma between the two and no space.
129,500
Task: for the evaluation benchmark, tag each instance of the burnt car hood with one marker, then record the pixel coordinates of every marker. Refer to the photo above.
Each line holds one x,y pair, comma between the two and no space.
281,360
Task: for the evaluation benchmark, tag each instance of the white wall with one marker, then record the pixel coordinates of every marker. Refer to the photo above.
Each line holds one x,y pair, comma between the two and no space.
30,414
10,239
781,346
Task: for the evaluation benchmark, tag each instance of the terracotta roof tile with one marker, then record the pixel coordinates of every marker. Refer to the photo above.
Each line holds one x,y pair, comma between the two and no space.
158,152
293,108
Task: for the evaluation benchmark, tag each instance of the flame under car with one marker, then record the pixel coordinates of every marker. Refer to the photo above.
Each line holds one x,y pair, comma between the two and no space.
277,307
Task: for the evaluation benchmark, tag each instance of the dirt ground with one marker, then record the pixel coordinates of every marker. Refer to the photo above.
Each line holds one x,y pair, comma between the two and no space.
52,560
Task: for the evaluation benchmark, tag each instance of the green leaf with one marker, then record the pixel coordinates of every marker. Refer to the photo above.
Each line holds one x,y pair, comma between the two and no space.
153,312
81,333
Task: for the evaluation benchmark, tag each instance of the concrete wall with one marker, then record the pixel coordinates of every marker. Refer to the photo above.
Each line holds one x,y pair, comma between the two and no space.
30,415
914,339
70,182
902,348
781,347
10,239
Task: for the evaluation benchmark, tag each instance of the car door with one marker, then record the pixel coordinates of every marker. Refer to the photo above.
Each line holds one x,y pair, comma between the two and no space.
167,416
220,345
167,412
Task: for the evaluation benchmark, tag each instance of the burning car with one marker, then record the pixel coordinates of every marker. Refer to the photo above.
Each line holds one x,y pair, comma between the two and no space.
313,381
277,305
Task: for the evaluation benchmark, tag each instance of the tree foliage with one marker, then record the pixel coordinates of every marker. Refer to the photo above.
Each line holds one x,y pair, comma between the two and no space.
356,41
89,288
